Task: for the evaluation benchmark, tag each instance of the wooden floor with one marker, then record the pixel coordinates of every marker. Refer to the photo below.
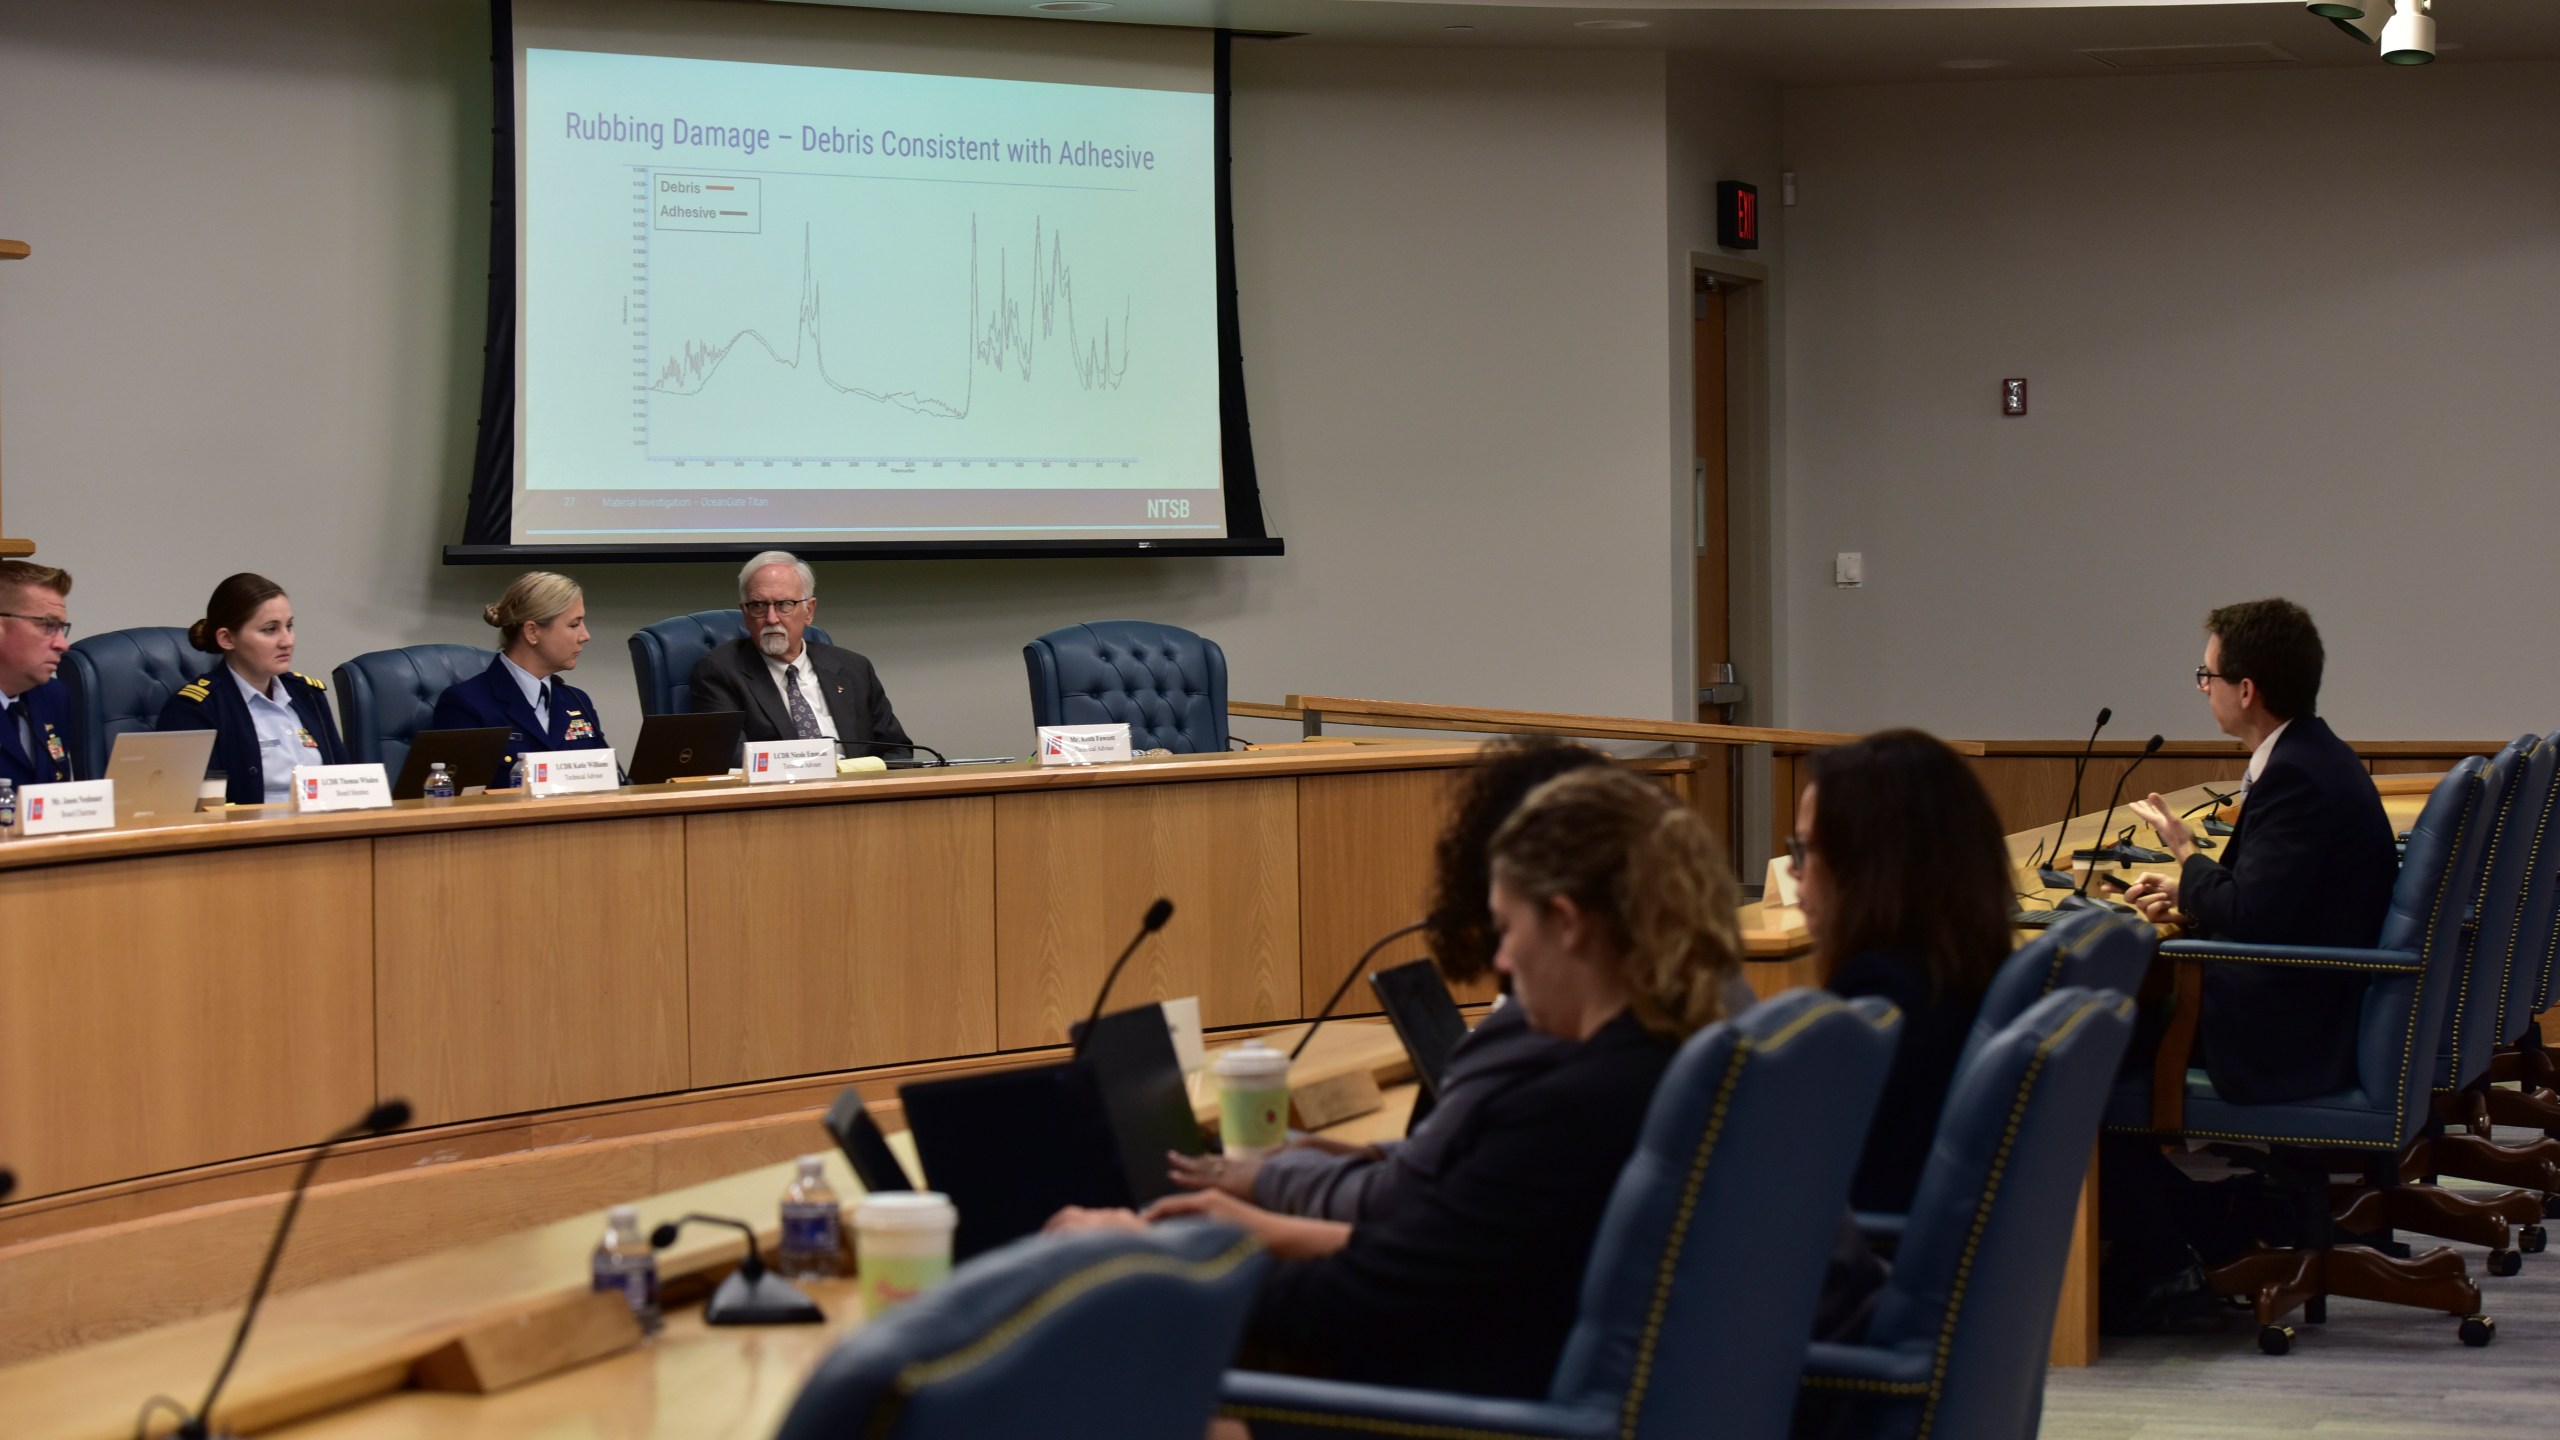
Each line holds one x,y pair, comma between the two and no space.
2374,1371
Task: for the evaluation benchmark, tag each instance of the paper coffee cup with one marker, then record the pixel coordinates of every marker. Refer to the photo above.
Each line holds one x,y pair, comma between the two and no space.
1253,1098
902,1245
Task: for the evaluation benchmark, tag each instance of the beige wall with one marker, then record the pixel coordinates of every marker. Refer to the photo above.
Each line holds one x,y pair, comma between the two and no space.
2285,333
250,339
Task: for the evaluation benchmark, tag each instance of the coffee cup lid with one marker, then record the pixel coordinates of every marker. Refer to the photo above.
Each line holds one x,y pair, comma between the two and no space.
1252,1058
906,1210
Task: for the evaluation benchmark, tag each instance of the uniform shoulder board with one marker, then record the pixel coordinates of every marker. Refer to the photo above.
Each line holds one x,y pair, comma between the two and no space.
307,680
195,690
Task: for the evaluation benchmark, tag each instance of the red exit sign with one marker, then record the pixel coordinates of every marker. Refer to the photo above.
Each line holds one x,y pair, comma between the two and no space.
1737,215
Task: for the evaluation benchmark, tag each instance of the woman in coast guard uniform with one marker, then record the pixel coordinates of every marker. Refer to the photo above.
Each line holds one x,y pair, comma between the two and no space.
544,619
266,717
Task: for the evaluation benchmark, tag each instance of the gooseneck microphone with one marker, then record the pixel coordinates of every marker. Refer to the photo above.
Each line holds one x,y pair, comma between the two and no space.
752,1295
2150,748
389,1115
2054,876
1381,943
1157,914
940,760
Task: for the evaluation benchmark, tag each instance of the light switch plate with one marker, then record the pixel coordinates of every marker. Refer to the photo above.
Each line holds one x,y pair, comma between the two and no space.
1849,569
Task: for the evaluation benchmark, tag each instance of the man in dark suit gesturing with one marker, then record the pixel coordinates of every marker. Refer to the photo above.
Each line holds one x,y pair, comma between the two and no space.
2310,863
788,688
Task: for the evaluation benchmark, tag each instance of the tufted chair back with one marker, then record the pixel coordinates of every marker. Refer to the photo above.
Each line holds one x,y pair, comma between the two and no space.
1095,1336
2538,916
663,655
1167,683
2401,1032
2471,1034
2092,949
2518,885
1704,1275
1968,1312
118,681
385,697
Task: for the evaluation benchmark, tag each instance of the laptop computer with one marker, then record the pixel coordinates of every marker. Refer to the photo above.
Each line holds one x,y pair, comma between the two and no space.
1143,1093
674,746
469,756
1425,1016
159,773
1013,1147
864,1146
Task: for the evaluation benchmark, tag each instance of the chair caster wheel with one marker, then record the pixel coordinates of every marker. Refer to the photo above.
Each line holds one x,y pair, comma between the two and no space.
2478,1330
2534,1239
2278,1339
2315,1311
2503,1263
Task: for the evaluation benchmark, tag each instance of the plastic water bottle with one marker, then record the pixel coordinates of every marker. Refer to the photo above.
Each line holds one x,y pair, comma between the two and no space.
439,783
812,1223
624,1262
8,808
517,776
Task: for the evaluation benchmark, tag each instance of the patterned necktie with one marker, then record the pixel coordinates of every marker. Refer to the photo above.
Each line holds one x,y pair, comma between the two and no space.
803,719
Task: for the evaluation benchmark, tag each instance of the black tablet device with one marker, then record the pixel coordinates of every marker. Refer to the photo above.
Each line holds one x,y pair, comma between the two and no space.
864,1146
1149,1107
1013,1147
1425,1016
469,756
672,747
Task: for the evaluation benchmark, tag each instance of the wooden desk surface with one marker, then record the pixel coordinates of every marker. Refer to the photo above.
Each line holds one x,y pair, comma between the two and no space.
351,1342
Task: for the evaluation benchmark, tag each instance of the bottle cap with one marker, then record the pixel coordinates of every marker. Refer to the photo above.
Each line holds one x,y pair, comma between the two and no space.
623,1215
812,1167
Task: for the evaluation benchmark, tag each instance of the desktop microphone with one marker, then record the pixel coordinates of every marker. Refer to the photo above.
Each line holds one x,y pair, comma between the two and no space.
2150,748
1157,914
941,761
389,1115
752,1295
2053,877
1348,976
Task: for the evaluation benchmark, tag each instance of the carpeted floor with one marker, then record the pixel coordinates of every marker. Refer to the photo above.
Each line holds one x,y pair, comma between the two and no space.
2372,1371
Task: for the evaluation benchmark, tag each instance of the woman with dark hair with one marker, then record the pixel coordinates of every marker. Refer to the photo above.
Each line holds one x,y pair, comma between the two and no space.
1334,1181
1904,879
266,717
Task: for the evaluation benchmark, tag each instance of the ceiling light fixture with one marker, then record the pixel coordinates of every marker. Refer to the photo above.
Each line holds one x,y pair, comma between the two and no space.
2410,38
1072,7
1612,24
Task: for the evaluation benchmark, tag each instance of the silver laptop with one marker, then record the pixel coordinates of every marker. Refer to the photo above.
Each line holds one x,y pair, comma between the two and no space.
159,773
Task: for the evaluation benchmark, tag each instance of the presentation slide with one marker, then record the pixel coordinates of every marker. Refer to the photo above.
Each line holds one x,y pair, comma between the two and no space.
831,305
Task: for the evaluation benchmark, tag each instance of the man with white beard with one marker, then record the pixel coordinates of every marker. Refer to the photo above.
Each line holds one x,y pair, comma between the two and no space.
788,688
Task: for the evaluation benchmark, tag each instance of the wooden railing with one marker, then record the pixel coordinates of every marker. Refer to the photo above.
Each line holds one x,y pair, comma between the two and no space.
1314,712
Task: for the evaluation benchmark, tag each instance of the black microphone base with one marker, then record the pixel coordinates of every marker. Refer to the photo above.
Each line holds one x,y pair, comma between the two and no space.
766,1300
2217,827
2055,879
2124,855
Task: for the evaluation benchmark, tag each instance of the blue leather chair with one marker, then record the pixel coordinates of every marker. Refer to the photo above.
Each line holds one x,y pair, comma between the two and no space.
1957,1344
118,682
2088,949
2529,933
1702,1281
2366,1125
1095,1336
385,697
1167,683
663,655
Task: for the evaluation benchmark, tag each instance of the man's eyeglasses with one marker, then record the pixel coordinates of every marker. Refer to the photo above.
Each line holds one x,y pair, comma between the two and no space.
51,625
2203,675
775,608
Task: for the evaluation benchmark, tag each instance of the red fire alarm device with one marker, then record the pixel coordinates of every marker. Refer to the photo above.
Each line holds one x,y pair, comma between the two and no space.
1737,215
2013,397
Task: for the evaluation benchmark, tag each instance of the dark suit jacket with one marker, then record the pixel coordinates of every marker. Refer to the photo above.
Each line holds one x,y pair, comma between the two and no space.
2311,862
491,699
212,702
1934,1029
1474,1280
734,677
49,716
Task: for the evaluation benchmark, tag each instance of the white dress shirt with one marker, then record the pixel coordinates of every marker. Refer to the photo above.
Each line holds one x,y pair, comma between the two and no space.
808,689
537,693
2258,757
282,742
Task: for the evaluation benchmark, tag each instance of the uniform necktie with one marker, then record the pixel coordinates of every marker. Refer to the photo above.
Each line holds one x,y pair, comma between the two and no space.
26,731
803,719
542,703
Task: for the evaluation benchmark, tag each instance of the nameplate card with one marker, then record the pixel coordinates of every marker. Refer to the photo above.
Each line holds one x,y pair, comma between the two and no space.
1778,887
781,762
321,788
570,772
67,808
1083,744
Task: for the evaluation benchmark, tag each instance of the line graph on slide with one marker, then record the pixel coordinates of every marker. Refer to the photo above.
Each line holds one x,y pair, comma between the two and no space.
799,319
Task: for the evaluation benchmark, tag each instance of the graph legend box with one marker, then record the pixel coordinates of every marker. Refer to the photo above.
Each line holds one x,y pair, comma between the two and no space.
721,204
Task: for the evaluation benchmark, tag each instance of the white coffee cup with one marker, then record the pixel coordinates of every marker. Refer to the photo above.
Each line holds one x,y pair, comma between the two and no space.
1253,1098
902,1245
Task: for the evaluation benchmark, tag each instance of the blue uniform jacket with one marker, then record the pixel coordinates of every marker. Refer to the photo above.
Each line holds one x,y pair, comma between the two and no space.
49,715
212,702
491,698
